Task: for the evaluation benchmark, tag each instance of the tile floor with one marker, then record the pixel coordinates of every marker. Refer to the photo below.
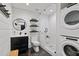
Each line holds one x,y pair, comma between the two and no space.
42,52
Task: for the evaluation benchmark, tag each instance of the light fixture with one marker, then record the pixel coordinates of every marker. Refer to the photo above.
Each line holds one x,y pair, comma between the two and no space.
51,10
27,4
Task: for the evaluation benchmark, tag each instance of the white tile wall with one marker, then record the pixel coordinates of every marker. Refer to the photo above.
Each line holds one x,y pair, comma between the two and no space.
5,32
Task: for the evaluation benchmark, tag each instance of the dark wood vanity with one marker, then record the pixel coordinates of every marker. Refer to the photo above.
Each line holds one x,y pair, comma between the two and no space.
20,44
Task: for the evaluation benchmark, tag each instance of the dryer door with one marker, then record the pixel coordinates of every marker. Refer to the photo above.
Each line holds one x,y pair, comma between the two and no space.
70,48
70,17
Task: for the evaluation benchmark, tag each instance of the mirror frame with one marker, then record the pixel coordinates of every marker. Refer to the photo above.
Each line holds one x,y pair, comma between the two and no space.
18,19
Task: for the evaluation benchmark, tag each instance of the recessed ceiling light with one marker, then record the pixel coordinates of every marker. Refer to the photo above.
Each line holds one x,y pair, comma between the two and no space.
51,10
27,4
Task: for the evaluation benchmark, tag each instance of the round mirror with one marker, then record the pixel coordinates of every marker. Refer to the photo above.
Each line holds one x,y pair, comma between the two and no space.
19,24
72,18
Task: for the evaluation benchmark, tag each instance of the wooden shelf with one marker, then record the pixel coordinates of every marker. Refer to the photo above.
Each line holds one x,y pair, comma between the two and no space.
33,20
34,26
34,31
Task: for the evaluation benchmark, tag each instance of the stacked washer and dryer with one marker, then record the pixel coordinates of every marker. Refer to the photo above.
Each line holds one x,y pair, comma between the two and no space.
68,31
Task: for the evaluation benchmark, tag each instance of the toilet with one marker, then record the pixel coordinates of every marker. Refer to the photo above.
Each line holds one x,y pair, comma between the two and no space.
35,43
35,46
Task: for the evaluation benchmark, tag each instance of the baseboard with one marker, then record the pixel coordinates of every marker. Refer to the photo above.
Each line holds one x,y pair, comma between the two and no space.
51,53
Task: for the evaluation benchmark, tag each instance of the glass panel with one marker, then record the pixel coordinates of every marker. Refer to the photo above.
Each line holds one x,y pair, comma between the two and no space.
71,50
72,18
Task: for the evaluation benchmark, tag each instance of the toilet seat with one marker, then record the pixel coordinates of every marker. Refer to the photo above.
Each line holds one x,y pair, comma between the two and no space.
35,43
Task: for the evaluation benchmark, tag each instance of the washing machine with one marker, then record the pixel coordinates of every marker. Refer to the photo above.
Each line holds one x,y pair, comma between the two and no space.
70,17
68,31
70,46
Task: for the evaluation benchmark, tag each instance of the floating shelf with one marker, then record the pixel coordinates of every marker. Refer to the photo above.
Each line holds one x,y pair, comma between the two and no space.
34,26
33,20
34,31
4,11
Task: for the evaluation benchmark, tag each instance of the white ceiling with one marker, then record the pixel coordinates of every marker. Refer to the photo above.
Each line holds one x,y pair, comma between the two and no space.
44,8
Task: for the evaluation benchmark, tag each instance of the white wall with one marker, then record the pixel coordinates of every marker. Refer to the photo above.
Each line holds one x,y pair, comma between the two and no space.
49,44
26,15
5,32
52,32
52,29
43,25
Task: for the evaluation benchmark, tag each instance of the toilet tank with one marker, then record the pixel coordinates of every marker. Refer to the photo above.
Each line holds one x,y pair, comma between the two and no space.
34,36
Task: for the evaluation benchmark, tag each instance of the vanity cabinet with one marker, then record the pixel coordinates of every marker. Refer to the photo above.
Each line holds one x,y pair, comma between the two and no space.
20,43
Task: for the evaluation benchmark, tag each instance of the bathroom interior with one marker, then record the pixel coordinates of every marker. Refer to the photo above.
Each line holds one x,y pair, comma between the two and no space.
39,29
26,29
